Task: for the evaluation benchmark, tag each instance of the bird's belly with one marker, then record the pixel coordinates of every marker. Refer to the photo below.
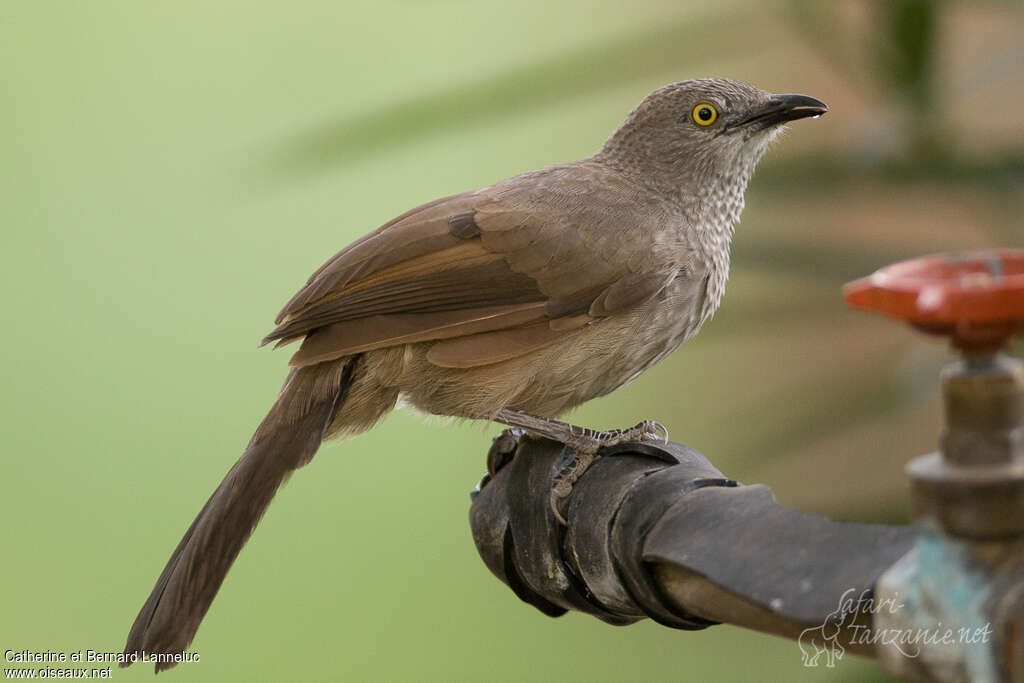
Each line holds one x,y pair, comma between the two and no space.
649,336
588,363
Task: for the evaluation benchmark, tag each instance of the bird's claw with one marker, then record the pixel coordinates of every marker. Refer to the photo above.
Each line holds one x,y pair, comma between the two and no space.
563,482
559,492
654,431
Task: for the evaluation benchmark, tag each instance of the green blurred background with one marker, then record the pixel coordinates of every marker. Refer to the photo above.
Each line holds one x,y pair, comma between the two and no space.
172,172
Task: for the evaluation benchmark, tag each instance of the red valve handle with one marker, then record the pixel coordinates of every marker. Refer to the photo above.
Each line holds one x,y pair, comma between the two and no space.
976,298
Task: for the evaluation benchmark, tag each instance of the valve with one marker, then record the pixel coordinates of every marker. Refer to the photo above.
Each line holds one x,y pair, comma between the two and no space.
974,485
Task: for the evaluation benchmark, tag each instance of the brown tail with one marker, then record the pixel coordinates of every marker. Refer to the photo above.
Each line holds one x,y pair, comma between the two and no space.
287,439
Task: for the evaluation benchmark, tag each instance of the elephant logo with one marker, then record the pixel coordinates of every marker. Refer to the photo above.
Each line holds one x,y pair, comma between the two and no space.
823,640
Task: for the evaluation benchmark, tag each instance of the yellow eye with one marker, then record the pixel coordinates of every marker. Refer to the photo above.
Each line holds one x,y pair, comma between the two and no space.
704,114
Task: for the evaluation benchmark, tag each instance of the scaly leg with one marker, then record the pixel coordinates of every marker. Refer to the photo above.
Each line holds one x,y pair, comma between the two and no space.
586,442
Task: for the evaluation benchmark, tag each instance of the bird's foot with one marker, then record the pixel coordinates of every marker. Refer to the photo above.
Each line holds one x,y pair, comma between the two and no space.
585,442
587,446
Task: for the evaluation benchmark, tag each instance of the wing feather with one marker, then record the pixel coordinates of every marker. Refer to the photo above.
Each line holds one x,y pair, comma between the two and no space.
487,275
492,347
355,336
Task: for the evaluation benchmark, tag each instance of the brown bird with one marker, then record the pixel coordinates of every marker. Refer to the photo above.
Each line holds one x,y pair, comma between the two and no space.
512,303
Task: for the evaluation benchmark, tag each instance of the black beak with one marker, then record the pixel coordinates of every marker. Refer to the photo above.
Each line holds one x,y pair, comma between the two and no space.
783,108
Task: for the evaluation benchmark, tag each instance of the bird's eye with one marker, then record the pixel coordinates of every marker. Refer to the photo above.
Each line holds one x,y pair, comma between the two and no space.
704,114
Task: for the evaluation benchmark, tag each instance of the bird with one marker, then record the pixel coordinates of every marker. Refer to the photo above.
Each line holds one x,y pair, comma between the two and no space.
512,303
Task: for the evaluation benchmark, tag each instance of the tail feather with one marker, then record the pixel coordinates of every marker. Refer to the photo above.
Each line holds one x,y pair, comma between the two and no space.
284,442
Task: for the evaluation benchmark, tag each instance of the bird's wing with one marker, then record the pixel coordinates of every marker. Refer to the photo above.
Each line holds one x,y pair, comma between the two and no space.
490,274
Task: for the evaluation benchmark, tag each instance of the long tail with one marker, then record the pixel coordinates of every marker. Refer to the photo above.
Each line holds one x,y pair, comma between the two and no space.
287,439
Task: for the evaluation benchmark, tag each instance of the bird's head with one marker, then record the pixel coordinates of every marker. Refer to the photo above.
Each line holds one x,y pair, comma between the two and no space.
700,131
